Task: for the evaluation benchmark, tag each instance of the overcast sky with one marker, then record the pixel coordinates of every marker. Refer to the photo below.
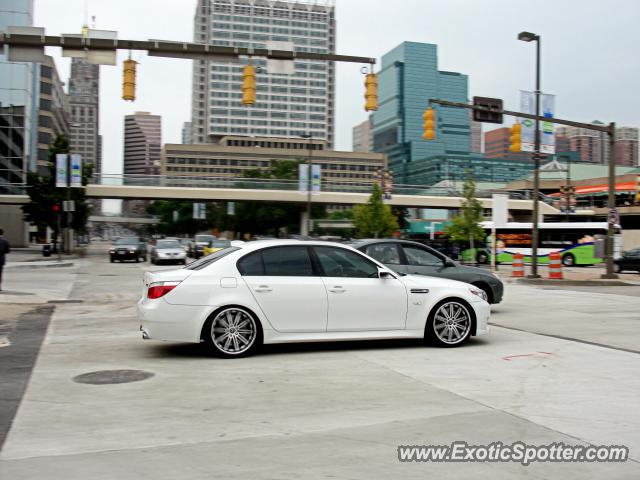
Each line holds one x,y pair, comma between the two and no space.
590,54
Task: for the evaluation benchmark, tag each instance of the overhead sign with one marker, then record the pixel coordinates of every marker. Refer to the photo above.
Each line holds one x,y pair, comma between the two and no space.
528,126
499,209
76,170
61,170
283,67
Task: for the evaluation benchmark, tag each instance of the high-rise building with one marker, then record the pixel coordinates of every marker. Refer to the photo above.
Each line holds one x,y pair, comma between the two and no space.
362,136
497,143
408,78
627,146
286,105
84,90
476,134
18,104
186,133
54,113
142,144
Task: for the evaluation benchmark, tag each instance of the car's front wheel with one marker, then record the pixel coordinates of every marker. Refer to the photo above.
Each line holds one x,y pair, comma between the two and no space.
232,332
449,323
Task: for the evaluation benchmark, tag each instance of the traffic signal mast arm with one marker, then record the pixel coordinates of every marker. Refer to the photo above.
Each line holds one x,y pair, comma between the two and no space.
571,123
167,48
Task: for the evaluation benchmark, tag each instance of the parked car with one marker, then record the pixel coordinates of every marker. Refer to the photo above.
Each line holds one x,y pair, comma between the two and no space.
215,245
404,256
238,298
167,251
196,246
630,260
128,248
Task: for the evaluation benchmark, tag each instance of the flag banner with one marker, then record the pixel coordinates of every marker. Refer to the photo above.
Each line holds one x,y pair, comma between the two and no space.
547,137
61,170
303,177
76,170
315,179
527,126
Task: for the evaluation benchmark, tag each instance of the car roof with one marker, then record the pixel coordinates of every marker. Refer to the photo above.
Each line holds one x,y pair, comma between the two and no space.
369,241
258,244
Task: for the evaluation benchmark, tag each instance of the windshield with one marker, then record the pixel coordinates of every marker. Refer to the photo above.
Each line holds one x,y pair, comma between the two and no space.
209,259
168,244
205,238
220,244
127,241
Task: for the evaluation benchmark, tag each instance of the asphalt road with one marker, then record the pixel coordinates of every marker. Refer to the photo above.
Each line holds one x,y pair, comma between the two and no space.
313,410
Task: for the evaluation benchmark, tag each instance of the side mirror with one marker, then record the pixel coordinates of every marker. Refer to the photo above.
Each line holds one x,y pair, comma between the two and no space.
448,263
384,274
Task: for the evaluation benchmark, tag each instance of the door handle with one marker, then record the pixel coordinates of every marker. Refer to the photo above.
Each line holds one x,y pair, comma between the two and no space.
338,289
262,288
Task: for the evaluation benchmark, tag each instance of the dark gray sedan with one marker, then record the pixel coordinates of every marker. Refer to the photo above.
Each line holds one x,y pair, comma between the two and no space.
414,258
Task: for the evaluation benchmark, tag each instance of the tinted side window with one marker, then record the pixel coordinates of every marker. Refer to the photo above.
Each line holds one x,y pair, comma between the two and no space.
418,256
385,253
287,262
251,265
338,262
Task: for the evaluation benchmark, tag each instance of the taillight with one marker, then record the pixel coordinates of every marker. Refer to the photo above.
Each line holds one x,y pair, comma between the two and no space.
159,289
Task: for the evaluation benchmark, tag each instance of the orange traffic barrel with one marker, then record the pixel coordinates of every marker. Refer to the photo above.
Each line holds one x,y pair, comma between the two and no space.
555,266
518,265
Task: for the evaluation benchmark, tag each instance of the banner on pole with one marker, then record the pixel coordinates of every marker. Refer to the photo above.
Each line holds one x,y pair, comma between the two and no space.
315,179
76,170
61,170
528,126
199,211
303,178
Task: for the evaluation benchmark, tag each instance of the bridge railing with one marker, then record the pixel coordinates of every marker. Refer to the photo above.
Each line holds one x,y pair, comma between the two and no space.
346,186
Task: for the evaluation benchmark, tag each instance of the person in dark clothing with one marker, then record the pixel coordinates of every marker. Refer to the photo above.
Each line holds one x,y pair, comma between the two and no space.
4,250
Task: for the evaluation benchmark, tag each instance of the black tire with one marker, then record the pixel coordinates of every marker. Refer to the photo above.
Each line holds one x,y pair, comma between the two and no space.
486,289
217,350
137,259
568,260
432,337
184,262
152,261
111,259
482,258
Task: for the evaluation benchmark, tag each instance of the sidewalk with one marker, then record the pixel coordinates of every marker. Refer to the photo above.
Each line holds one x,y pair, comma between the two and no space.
572,276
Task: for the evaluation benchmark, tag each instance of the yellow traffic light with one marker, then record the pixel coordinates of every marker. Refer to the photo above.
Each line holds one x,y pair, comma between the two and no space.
249,85
429,126
129,80
371,92
515,138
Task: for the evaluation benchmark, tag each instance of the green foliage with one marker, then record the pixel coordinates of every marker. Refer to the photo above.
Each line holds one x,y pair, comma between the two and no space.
465,226
341,215
43,194
374,219
186,224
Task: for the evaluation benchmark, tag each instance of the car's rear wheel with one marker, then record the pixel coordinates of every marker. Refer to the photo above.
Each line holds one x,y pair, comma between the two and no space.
232,332
449,324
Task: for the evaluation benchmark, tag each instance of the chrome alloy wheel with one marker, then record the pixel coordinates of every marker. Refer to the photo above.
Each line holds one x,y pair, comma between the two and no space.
452,322
233,331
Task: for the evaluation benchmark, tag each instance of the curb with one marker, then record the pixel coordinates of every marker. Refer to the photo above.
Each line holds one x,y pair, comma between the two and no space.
574,283
52,265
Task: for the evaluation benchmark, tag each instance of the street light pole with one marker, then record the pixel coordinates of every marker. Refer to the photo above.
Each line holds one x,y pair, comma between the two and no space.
530,37
611,202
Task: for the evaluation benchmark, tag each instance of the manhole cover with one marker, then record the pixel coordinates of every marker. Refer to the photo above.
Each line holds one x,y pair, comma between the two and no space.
107,377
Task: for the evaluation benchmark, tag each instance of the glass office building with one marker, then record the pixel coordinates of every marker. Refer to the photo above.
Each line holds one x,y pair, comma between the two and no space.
408,78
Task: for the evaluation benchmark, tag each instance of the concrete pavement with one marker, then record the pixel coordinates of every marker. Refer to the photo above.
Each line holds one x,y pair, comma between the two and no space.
321,410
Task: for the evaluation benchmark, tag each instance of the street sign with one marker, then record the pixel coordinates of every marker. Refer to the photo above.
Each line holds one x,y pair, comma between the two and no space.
484,116
68,206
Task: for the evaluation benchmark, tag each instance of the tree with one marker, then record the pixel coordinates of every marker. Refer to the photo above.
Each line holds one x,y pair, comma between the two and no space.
374,219
465,226
43,195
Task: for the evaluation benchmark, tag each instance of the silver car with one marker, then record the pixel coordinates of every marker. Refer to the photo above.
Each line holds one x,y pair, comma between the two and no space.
168,251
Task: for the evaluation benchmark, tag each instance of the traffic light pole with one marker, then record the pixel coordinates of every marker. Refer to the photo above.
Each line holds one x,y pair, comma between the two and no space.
535,232
610,130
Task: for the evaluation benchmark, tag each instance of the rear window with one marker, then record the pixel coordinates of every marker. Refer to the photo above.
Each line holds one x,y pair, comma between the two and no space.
209,259
168,244
289,261
127,241
220,244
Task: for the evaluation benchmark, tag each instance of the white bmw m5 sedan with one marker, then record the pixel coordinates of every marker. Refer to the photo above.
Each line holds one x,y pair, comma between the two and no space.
278,291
